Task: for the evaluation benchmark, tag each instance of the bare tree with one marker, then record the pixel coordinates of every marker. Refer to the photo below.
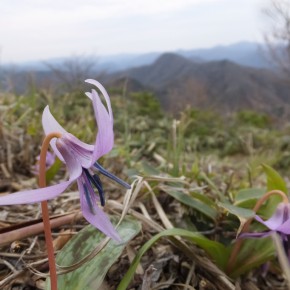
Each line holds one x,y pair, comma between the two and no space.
72,72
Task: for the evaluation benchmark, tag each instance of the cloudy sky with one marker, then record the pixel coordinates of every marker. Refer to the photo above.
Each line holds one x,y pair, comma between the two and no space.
42,29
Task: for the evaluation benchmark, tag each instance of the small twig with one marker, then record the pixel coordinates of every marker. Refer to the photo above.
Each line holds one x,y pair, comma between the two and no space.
189,275
28,251
10,278
8,265
14,255
166,222
5,170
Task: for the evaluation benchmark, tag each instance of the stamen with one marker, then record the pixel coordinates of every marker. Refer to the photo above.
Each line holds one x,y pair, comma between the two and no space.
111,176
95,180
99,187
89,200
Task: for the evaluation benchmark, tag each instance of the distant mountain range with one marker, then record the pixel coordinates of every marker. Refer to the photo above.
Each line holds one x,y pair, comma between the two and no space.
223,78
244,53
219,85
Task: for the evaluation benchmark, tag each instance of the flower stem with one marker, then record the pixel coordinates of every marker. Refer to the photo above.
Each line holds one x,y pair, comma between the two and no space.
45,213
259,203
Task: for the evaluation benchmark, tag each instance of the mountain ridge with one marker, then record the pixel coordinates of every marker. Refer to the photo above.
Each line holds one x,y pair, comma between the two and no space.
220,85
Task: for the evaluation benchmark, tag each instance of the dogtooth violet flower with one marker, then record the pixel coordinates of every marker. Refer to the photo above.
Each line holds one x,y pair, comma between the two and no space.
278,223
81,161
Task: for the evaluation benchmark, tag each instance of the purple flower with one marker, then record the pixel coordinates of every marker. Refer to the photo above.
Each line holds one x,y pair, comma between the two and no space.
81,161
279,223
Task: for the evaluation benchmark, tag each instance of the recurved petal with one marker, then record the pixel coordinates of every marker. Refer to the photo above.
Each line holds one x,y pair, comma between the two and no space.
277,218
99,220
105,136
50,125
105,94
35,195
285,227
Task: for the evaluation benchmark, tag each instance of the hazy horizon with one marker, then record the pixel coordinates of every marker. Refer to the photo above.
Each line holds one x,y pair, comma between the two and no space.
116,55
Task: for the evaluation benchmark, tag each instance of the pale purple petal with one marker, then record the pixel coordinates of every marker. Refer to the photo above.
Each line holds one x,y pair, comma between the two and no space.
105,94
73,165
35,195
50,159
276,220
49,122
71,138
82,151
50,125
99,220
284,228
105,137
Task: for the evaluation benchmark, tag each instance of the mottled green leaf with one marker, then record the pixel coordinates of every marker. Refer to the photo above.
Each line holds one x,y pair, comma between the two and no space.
91,275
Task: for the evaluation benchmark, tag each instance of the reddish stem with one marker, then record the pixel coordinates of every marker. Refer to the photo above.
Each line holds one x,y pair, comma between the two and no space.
259,203
45,213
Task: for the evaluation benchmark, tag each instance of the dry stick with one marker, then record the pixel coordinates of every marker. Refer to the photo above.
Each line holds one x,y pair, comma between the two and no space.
246,226
44,208
34,229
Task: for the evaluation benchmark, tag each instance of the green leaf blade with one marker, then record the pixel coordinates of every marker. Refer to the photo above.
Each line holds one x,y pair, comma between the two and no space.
91,274
218,252
195,203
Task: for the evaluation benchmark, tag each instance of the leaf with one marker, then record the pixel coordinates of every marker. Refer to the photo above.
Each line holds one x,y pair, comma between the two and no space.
194,203
274,182
149,169
203,198
248,197
91,274
211,184
218,252
241,213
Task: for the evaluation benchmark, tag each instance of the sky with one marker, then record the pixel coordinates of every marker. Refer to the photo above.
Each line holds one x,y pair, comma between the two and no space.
42,29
